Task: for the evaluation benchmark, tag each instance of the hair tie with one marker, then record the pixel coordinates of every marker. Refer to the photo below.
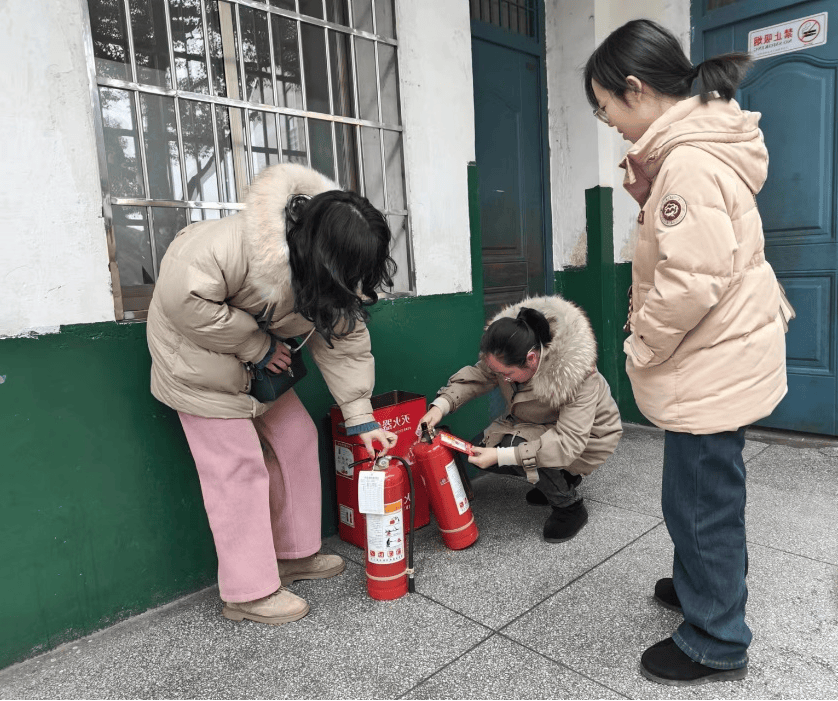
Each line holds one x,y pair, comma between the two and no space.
295,206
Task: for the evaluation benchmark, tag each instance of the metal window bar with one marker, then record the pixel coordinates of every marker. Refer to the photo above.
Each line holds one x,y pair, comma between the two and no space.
140,141
274,86
173,73
210,92
242,104
242,128
303,95
359,160
380,107
516,16
330,90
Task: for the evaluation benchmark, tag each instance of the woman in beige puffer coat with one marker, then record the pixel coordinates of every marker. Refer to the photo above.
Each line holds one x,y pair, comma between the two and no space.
706,350
227,292
560,421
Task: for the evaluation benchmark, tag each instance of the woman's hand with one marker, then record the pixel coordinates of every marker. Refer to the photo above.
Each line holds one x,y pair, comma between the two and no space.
484,457
280,360
432,418
385,438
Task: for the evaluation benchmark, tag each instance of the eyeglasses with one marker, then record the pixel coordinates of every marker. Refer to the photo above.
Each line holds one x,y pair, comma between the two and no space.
600,114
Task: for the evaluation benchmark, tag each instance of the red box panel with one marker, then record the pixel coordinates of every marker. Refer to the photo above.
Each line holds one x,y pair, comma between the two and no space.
398,412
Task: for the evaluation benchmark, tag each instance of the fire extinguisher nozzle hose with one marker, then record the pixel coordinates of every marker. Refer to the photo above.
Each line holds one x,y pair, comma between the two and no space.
411,585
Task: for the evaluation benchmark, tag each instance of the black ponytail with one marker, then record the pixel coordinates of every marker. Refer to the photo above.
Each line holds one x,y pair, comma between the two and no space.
652,54
509,340
721,73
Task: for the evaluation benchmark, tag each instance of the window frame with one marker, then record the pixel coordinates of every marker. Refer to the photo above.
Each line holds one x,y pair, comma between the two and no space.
243,109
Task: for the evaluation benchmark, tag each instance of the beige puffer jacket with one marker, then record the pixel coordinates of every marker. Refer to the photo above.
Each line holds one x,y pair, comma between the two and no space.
707,347
565,412
215,278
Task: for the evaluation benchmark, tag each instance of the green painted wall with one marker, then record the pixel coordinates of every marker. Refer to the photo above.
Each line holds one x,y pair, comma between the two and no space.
101,509
601,289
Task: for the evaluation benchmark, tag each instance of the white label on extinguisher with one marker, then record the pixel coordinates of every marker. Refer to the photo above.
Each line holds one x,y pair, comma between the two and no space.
460,498
371,492
385,535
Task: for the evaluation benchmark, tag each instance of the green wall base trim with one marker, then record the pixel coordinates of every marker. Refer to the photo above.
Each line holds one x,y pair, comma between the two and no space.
600,289
101,511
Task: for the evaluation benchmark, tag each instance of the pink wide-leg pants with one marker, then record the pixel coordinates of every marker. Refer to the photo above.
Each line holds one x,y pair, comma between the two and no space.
262,496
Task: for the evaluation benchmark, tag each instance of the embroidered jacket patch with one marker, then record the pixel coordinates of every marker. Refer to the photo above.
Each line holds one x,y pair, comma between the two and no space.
673,210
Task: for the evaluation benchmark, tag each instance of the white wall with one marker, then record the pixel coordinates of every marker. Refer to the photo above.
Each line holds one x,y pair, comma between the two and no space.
438,117
54,262
583,152
569,28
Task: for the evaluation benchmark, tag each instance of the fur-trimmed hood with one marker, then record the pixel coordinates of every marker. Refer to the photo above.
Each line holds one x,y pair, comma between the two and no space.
571,355
265,245
215,282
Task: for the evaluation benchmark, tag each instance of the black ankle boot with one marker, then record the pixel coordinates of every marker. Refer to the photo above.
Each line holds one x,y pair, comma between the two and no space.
665,663
565,522
665,594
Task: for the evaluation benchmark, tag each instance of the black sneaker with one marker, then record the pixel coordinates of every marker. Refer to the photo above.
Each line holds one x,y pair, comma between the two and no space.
536,497
665,594
564,523
666,663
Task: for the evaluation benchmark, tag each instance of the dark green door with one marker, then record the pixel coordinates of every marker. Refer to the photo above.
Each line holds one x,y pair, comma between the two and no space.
796,94
511,156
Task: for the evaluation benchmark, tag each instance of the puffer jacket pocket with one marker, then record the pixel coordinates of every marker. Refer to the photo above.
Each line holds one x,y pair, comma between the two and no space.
637,350
203,369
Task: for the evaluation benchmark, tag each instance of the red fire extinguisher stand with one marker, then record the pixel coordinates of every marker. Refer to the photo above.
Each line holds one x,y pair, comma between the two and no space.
445,490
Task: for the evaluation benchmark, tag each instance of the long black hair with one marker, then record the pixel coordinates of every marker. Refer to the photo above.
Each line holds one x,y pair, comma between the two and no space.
649,52
339,249
509,340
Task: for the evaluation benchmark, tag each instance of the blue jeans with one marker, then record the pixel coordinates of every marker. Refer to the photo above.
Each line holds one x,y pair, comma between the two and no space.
703,502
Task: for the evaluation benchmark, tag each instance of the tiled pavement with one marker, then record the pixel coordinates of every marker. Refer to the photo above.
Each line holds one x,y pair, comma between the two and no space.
510,617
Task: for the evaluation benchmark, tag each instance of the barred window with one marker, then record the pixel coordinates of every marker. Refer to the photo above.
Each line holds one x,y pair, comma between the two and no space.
516,16
195,97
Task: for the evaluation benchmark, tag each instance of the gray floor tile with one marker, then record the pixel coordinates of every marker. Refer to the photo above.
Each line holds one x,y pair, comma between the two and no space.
796,470
793,502
601,624
349,646
510,568
631,477
499,668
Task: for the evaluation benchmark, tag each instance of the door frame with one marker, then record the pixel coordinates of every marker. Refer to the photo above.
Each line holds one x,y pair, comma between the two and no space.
535,47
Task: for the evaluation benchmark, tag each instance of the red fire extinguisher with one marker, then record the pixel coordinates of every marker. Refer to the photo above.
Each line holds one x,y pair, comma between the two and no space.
445,489
389,545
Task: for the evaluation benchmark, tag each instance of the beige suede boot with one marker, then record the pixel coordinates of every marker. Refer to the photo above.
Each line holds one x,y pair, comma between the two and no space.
280,607
317,566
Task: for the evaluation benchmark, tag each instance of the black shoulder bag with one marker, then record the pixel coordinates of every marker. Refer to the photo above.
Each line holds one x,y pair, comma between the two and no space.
267,386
